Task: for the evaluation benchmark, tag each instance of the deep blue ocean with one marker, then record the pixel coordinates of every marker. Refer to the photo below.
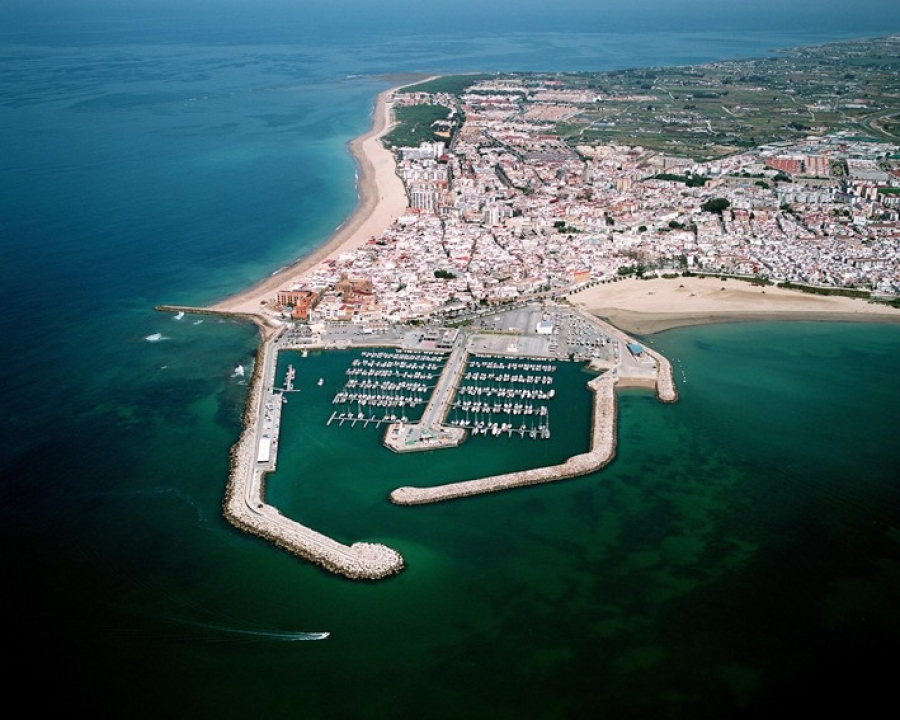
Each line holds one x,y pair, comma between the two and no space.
741,556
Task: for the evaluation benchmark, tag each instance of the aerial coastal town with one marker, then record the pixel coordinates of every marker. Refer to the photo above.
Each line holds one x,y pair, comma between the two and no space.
490,204
502,208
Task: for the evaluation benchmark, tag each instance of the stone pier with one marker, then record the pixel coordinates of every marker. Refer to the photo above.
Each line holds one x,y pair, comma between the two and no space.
603,449
430,433
246,509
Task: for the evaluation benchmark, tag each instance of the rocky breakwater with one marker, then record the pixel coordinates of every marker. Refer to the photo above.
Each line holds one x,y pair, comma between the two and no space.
664,382
603,449
245,508
666,391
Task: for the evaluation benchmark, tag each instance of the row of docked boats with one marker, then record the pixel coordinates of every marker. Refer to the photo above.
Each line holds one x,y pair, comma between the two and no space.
498,407
482,427
394,364
401,356
289,377
485,364
504,397
389,372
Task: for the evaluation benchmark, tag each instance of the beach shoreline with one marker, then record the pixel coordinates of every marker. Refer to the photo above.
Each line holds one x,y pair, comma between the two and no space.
382,199
645,307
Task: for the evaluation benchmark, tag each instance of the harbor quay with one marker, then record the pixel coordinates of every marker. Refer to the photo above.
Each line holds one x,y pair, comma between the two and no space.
430,433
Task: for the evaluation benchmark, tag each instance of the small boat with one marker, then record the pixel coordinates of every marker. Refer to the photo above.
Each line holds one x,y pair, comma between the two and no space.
321,382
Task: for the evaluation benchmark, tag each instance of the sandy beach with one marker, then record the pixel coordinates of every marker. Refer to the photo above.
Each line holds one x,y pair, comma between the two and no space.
649,306
382,199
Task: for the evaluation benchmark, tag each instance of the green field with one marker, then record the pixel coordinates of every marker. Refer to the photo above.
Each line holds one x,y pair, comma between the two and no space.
712,110
414,125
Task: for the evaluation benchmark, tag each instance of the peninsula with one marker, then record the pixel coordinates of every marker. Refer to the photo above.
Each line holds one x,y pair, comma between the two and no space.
514,203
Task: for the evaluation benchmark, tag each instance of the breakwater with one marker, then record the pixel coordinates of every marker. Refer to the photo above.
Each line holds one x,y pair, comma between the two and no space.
603,448
244,504
666,392
255,453
245,507
267,328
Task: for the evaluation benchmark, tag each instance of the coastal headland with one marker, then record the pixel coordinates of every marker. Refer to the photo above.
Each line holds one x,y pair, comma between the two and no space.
395,237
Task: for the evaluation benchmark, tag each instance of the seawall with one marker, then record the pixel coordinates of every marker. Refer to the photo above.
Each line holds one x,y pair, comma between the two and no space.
245,507
603,450
244,504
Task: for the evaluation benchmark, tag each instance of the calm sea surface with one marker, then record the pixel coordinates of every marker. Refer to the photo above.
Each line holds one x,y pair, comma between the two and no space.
741,555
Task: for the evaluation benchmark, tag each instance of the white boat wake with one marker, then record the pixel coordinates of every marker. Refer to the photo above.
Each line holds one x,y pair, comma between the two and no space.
155,337
178,315
274,635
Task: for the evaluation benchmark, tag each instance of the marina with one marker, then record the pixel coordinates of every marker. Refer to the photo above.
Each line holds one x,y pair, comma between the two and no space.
421,399
502,397
496,396
385,387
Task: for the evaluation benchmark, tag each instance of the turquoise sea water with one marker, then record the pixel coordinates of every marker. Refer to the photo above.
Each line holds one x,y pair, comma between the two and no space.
740,555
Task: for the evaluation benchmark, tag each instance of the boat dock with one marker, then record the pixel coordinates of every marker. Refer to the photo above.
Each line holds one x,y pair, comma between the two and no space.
430,432
385,387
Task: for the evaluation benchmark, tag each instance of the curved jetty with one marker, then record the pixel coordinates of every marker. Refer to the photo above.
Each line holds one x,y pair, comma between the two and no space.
603,449
246,509
666,391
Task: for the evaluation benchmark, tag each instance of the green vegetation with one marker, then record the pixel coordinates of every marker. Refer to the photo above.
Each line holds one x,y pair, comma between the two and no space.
444,274
452,84
813,290
716,205
675,225
564,229
709,111
689,180
414,125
